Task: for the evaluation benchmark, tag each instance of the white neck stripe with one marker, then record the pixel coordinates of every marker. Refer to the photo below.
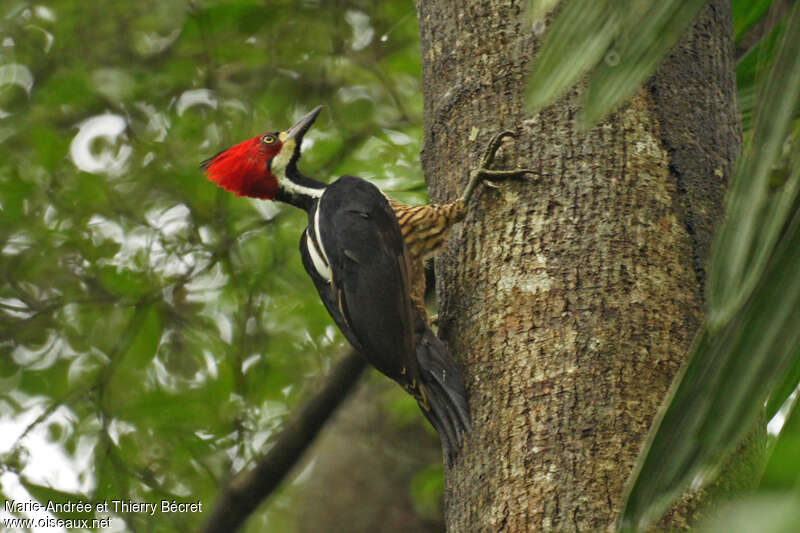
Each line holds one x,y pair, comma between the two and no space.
298,190
278,167
316,231
322,268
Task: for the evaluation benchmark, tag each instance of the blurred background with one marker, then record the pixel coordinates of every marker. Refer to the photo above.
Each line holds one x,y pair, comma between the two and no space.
155,331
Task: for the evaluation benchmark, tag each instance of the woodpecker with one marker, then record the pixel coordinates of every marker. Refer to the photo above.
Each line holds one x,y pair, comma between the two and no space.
364,253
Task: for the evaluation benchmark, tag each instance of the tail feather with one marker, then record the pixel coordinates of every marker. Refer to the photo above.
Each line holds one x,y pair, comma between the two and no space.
444,388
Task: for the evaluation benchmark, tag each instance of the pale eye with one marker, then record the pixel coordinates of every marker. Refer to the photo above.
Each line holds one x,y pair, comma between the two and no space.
268,139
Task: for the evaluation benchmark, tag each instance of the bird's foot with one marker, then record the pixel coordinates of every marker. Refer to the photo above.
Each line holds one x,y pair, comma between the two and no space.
488,176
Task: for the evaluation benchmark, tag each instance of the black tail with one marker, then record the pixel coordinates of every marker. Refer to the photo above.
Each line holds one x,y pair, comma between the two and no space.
444,388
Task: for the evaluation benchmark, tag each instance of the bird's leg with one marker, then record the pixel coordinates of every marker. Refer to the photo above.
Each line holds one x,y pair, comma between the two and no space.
483,172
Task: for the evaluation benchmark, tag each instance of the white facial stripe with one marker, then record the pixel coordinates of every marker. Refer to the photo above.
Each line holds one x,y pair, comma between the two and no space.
320,265
278,168
280,161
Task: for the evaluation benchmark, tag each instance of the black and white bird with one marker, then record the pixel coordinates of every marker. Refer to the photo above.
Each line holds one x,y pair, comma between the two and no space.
365,253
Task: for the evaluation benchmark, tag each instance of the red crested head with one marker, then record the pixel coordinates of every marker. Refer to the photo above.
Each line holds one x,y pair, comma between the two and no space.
244,169
263,166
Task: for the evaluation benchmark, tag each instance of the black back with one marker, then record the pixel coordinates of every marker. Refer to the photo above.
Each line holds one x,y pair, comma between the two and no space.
369,296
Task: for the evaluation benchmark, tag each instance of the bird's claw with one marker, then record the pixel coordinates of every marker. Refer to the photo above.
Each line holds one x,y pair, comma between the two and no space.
494,145
484,174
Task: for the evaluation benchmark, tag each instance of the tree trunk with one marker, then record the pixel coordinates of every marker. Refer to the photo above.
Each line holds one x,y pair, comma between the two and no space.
571,300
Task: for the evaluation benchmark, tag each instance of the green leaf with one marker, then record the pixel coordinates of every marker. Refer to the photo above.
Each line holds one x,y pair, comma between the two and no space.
755,213
643,43
624,41
770,513
246,16
746,13
753,67
789,383
123,281
576,42
783,468
143,346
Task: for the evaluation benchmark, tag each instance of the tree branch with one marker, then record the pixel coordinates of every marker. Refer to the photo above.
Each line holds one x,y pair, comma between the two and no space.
248,489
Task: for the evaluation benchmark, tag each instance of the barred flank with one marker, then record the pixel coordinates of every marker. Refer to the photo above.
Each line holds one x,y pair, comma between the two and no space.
425,227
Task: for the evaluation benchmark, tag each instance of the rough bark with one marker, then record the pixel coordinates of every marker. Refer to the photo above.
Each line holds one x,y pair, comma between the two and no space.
570,301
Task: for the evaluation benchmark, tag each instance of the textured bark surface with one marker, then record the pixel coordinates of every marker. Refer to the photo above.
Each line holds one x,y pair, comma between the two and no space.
571,300
694,100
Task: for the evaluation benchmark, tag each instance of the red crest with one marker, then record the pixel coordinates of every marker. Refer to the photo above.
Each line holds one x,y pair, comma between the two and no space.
244,169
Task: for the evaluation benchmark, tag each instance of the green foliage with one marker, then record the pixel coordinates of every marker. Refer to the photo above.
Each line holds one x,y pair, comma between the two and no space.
766,513
781,472
622,42
757,211
747,14
155,331
426,489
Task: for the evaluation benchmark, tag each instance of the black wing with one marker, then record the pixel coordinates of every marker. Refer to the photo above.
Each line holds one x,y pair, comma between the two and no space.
354,251
357,235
